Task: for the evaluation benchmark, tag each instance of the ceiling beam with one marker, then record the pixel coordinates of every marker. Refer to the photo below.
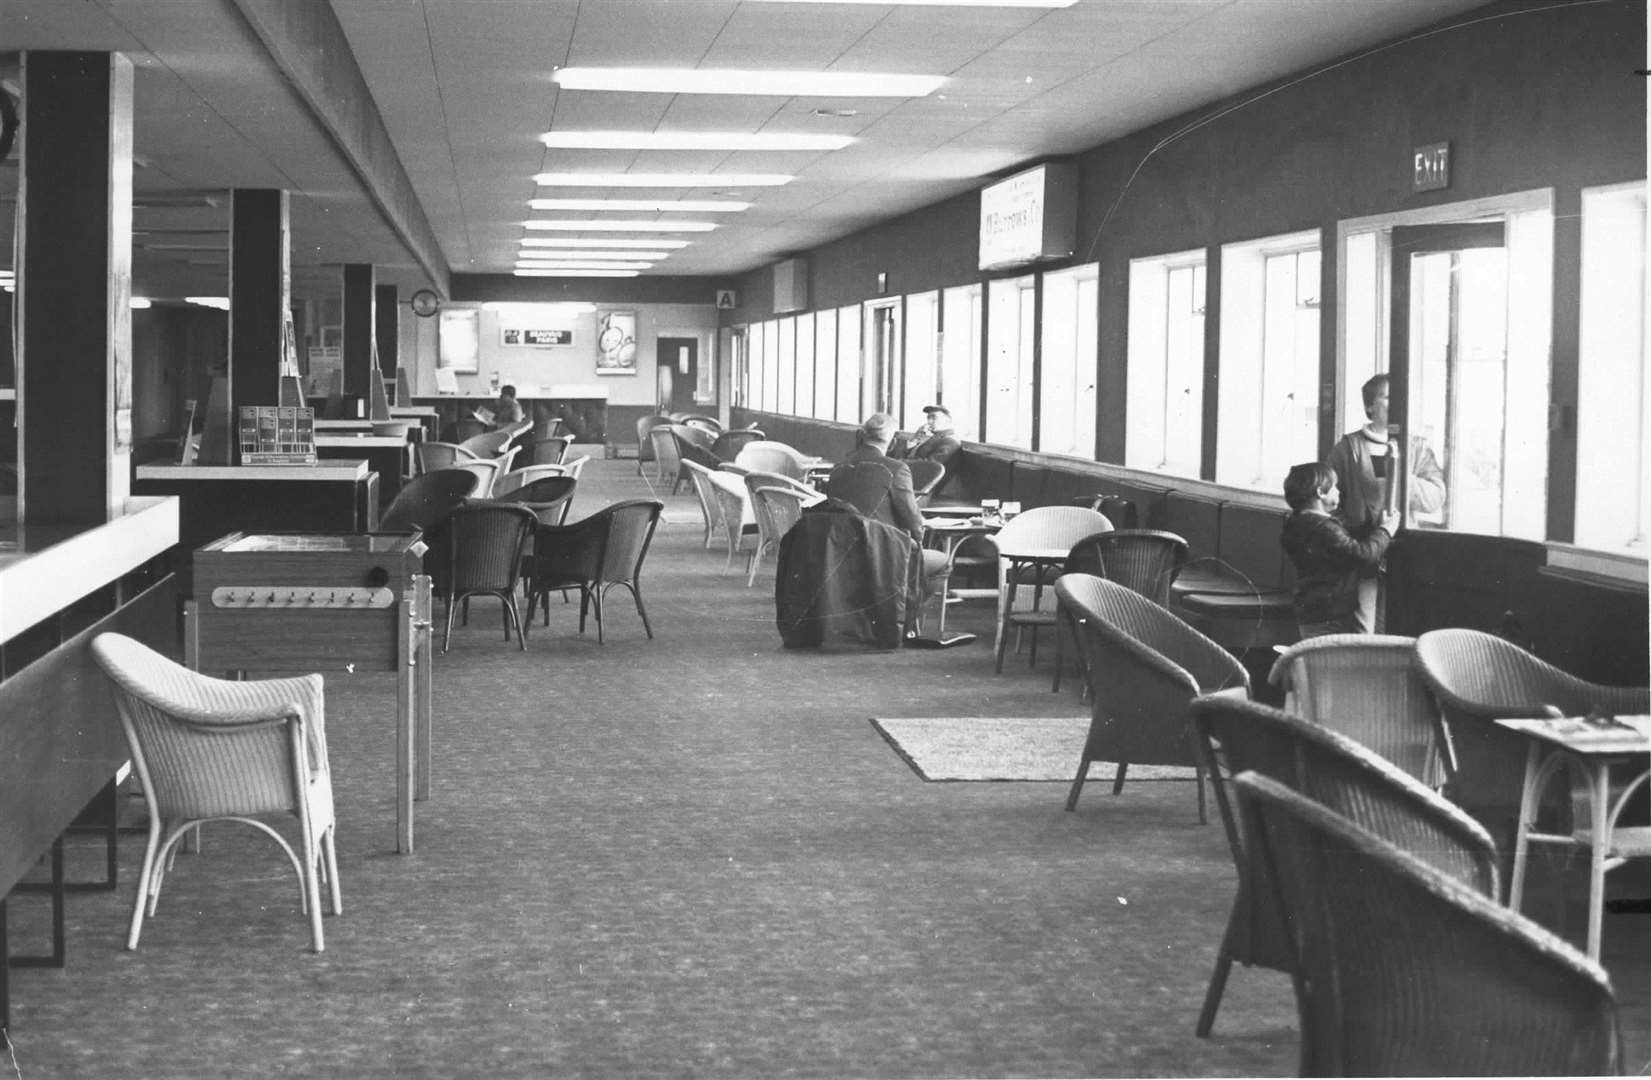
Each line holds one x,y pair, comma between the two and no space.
308,44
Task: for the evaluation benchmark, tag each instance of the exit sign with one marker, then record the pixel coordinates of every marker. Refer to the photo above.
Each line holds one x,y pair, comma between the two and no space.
1430,167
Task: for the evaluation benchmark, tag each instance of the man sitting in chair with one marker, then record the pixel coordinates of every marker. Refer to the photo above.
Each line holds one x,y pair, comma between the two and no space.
880,487
933,441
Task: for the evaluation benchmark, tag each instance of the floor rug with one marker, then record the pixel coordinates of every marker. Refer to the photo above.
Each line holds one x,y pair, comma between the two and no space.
1004,748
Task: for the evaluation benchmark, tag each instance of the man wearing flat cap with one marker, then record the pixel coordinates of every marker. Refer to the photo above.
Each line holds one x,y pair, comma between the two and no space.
933,441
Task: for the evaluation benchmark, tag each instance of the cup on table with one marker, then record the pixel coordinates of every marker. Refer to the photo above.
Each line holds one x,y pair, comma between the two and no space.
1010,509
991,509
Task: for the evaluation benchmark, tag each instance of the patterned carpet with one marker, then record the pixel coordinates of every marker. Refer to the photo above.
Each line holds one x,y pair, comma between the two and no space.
685,857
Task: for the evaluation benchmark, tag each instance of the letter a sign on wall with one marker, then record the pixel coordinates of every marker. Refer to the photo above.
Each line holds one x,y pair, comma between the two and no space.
726,301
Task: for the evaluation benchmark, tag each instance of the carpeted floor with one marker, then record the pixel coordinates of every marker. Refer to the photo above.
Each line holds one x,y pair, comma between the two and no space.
691,856
1029,748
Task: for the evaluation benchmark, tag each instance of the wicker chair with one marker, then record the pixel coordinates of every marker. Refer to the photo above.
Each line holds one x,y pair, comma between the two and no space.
549,450
1145,560
926,478
765,455
1317,761
1477,678
212,750
729,443
708,424
706,492
733,510
432,455
594,555
425,499
549,497
1407,971
776,509
695,435
668,453
1370,688
527,474
1145,665
478,552
644,444
489,443
487,472
1030,551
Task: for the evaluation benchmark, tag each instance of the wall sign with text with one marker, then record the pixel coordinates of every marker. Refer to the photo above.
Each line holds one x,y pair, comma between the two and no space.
536,339
1430,167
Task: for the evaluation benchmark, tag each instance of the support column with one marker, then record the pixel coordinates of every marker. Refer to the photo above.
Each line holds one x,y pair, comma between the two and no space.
387,329
260,293
74,287
358,327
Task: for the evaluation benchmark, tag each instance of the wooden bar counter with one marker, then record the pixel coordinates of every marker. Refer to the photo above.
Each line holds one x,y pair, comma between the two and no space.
332,496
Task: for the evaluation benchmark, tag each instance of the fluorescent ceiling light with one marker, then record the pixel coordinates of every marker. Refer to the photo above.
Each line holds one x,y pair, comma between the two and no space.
576,273
602,242
934,3
139,303
578,264
530,307
644,206
621,225
691,140
219,302
690,180
747,82
581,253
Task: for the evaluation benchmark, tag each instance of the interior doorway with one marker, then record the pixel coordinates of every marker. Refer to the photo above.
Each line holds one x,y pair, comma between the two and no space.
679,374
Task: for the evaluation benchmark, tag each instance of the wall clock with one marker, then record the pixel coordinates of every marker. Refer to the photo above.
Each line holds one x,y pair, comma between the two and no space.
424,303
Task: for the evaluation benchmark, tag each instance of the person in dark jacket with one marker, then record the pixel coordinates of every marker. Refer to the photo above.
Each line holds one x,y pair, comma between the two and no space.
933,441
880,487
1330,560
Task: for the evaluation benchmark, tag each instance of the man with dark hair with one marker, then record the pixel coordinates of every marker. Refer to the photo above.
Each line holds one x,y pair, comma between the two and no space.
507,411
1330,559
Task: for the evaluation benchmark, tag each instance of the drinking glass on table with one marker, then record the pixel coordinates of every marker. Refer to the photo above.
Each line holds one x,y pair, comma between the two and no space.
1010,509
990,509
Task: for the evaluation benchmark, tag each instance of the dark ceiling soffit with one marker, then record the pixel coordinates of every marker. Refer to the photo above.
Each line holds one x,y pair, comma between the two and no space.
308,45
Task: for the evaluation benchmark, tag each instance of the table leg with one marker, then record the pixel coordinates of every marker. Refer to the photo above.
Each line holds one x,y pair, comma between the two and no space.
406,673
424,680
1528,799
1599,813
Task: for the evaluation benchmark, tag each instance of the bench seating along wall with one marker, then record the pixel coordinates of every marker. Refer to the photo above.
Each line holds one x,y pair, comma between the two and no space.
1594,628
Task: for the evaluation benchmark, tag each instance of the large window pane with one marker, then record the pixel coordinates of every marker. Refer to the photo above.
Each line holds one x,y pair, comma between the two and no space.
786,399
1268,407
960,359
1067,395
848,364
1613,462
1009,384
825,364
805,365
756,365
771,366
1166,364
922,357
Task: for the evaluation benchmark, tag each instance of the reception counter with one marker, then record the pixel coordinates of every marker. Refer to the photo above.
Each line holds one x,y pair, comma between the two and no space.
582,410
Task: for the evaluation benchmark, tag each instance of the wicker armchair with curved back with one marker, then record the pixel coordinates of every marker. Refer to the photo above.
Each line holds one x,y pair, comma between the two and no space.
1145,560
668,454
766,455
1370,688
1031,550
729,443
489,443
644,444
432,455
593,555
426,499
735,517
1409,972
477,551
1349,778
926,478
549,497
1145,666
1478,678
549,450
777,507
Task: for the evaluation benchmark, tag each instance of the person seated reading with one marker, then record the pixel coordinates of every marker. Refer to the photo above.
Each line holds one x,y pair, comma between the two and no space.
879,486
507,411
1330,559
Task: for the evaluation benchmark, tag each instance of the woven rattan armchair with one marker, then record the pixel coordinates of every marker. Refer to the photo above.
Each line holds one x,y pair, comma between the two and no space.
213,750
776,509
668,453
1408,972
1476,678
766,455
489,443
926,478
425,499
487,472
478,552
527,474
549,497
734,514
1032,550
1145,666
645,444
1370,688
1317,761
549,450
1145,560
593,555
729,443
430,456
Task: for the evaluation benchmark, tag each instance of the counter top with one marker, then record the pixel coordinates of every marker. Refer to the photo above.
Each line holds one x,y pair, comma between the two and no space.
333,440
326,470
45,568
593,392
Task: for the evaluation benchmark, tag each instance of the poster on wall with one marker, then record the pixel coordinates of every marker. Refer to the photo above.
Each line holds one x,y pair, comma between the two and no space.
538,339
616,343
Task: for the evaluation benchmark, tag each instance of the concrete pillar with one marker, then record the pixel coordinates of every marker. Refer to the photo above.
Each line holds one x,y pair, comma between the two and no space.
358,327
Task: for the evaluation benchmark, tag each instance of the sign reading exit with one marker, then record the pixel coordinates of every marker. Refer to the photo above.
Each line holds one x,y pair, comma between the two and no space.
1430,167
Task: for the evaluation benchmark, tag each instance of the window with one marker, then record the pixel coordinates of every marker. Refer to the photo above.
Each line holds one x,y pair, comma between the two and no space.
1066,410
458,343
1009,353
960,358
1268,419
805,365
1166,364
754,366
825,364
848,364
922,357
771,366
785,401
882,369
1613,460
